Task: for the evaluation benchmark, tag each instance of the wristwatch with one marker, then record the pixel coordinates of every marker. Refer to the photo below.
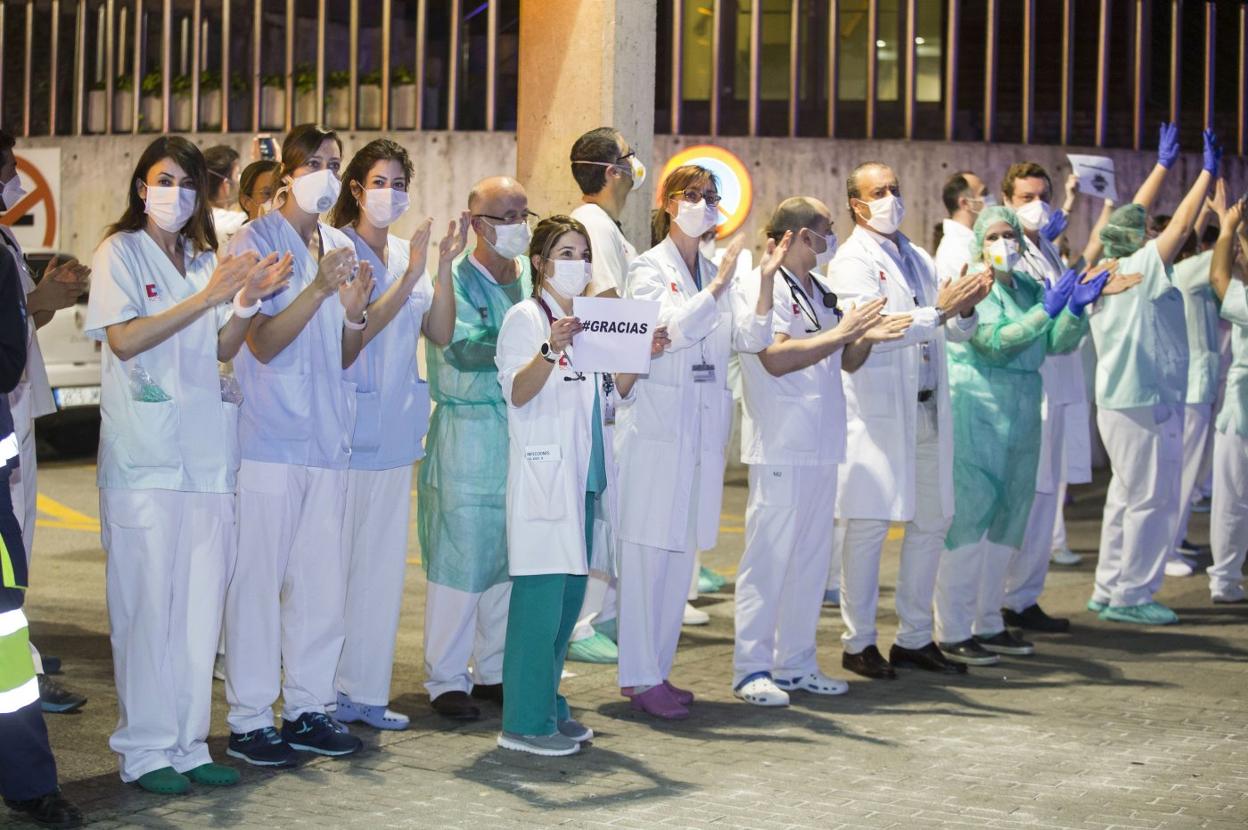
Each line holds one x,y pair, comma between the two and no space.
941,315
549,354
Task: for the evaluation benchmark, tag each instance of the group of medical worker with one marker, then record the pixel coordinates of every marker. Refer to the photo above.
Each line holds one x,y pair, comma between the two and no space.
263,406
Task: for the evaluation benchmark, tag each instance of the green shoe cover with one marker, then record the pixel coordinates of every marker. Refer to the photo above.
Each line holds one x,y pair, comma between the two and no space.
1148,613
165,781
710,582
1096,607
595,649
214,775
609,629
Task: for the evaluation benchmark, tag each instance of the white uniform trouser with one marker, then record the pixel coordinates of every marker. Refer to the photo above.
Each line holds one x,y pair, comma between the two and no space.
598,607
169,556
374,533
1145,448
463,629
970,589
1029,565
654,584
780,584
863,539
24,490
1196,425
1059,519
1228,516
284,607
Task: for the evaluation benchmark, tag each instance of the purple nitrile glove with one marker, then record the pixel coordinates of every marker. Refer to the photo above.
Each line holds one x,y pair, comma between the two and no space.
1212,152
1057,223
1056,295
1168,145
1086,293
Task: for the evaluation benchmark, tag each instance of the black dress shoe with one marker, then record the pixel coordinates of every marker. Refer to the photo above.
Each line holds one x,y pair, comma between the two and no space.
869,663
928,658
456,706
53,810
1033,618
492,692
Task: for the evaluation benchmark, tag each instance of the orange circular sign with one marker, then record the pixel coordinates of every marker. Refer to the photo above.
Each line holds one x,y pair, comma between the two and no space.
735,187
40,193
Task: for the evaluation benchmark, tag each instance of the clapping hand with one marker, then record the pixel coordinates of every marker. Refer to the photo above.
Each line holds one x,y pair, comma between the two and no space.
456,239
334,270
859,319
266,277
355,294
774,256
1057,295
229,277
418,250
728,265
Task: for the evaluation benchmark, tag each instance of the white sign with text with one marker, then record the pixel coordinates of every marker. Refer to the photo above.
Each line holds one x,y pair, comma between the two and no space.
1096,175
616,334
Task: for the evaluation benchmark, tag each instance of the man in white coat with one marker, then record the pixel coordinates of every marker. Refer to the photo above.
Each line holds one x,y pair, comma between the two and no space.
899,435
964,195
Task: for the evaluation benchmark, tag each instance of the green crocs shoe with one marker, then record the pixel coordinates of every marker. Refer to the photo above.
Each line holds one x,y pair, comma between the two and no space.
595,649
609,629
165,781
710,582
214,775
1096,607
1148,613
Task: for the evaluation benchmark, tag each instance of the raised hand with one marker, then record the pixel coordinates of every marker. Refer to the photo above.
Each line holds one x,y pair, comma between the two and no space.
228,277
1056,225
562,331
418,249
267,277
334,269
456,239
1211,151
774,256
858,319
1218,201
354,295
728,265
1168,145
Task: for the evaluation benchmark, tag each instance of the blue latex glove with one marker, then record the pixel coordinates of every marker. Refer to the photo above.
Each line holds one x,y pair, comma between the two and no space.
1168,145
1057,224
1086,293
1057,295
1212,152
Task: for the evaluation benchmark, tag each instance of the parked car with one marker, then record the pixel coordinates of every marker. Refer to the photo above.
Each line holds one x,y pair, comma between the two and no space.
72,359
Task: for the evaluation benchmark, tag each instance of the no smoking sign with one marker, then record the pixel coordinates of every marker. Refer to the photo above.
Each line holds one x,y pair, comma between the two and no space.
35,218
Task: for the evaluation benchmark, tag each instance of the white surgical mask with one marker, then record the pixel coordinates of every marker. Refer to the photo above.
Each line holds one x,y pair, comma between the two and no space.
384,205
13,192
570,277
696,218
511,241
170,207
1034,215
886,213
1003,254
316,192
706,247
823,257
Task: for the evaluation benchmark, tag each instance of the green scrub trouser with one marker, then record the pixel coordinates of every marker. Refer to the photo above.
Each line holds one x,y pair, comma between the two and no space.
540,619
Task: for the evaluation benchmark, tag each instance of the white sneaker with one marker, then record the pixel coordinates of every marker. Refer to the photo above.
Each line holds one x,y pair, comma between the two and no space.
218,668
1065,556
1178,567
694,616
1233,594
816,682
762,691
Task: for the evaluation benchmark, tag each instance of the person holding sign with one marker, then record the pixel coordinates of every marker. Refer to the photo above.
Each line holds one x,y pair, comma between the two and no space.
560,478
793,436
671,440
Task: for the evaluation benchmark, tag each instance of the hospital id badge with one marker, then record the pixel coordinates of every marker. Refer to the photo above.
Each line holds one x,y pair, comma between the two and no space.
704,373
608,413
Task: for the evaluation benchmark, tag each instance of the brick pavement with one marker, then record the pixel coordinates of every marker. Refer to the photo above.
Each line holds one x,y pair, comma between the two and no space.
1105,728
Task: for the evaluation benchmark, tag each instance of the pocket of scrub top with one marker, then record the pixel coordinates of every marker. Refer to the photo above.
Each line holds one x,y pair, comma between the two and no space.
657,410
152,440
367,435
797,422
541,488
280,405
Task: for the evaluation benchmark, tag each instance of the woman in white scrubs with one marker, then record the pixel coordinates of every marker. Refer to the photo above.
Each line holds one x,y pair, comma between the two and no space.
284,623
671,441
561,475
391,417
160,305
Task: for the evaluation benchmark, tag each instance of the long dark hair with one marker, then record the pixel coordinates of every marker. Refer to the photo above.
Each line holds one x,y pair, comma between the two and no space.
199,229
545,235
347,209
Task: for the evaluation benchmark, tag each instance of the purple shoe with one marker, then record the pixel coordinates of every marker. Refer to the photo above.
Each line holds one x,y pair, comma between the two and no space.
658,701
683,696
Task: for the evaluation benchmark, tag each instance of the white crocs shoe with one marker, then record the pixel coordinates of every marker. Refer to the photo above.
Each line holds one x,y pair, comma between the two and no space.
816,683
694,616
760,690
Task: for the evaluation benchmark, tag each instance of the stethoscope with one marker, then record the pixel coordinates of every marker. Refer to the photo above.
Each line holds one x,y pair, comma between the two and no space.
579,375
803,302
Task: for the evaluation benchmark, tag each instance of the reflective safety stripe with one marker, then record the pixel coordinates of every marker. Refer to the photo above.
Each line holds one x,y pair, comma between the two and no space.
12,621
9,448
16,665
8,576
19,698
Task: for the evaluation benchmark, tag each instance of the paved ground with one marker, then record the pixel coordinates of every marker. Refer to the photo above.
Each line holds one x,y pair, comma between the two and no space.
1106,727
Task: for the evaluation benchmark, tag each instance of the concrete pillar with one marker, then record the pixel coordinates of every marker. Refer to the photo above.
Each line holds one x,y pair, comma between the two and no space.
584,64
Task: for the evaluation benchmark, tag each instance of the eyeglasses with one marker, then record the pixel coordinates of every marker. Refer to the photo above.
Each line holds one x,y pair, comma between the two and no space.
527,216
693,196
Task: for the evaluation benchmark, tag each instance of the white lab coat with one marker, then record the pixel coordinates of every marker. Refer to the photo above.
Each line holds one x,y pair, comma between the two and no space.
676,425
878,479
954,250
612,250
550,444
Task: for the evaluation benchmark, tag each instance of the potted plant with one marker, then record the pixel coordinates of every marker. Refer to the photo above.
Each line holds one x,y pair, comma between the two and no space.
370,101
97,105
338,99
180,105
210,100
272,102
123,104
305,94
150,104
403,98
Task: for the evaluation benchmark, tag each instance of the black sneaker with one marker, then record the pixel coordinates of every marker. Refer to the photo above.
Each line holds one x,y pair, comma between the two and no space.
51,665
1003,642
318,732
262,748
970,653
53,810
55,699
1033,618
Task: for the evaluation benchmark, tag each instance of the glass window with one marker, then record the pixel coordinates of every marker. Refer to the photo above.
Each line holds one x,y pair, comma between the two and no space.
697,27
929,52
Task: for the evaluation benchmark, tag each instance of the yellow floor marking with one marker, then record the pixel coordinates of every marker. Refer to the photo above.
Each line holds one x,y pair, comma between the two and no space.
64,517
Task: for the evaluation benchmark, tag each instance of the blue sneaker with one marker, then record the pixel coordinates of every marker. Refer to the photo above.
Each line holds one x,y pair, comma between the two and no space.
318,732
261,748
